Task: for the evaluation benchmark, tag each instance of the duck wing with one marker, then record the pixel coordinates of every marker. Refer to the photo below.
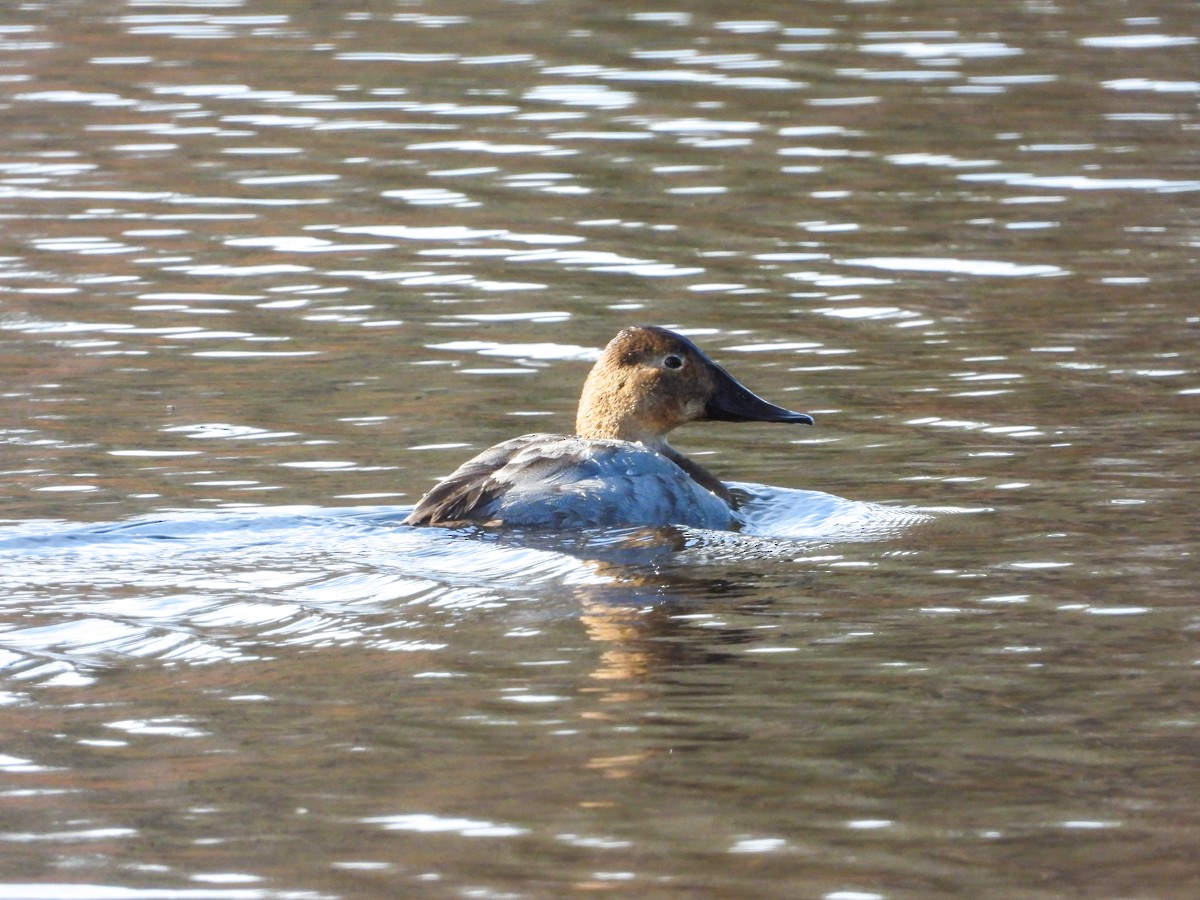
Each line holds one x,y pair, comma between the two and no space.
470,491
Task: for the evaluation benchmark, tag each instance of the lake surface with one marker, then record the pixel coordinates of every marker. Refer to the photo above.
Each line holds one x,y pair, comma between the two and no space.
269,269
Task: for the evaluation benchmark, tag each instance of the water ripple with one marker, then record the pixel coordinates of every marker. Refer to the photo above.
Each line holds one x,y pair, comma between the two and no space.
202,588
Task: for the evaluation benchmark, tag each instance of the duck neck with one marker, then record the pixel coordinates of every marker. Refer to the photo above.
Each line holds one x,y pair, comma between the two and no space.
606,414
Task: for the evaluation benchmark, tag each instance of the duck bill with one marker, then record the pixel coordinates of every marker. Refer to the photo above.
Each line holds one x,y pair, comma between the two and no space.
732,402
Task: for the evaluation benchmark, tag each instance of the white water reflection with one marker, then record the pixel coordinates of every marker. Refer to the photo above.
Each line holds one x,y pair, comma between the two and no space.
432,824
1087,182
460,233
596,96
983,267
940,160
298,244
84,891
1140,41
943,50
1160,86
521,351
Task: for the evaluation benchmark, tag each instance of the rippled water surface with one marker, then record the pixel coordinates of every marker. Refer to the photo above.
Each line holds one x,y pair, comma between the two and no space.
268,269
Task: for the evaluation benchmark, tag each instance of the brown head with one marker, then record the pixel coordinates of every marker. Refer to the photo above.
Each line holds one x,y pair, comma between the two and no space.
650,380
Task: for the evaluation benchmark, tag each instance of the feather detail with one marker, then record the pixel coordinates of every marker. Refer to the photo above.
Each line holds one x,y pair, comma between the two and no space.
556,481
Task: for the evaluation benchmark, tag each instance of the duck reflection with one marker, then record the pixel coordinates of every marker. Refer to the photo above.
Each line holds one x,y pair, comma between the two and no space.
646,595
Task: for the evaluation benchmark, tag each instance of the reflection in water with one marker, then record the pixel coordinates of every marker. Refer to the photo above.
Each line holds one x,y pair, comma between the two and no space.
267,262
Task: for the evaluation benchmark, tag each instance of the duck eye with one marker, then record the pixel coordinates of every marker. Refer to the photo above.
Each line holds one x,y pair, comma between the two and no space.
673,362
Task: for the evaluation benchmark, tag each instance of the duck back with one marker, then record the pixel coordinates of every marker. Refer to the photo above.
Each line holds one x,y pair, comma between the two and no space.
561,481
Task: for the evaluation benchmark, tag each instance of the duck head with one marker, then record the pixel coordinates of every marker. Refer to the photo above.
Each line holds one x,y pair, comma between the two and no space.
650,380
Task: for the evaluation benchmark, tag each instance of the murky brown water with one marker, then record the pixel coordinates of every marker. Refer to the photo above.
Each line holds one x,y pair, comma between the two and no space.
270,268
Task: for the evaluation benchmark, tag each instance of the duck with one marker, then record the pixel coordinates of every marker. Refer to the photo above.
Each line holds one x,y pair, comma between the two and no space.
617,470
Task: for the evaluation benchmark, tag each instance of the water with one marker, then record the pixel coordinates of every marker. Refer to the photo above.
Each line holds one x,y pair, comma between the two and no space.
269,269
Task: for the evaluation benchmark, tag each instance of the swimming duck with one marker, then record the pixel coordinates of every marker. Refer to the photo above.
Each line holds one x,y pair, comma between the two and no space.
618,469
